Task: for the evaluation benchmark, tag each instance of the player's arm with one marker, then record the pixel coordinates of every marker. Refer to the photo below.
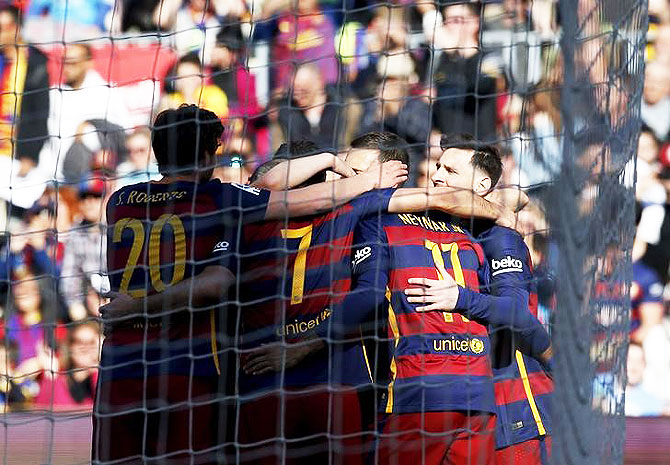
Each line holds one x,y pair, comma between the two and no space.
508,310
208,288
368,294
291,173
463,203
325,196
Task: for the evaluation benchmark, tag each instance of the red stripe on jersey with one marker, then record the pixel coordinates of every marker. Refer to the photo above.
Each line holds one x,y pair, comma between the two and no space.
399,277
411,366
412,324
412,235
511,390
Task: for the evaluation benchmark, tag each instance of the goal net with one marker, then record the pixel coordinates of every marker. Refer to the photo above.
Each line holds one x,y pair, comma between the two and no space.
556,87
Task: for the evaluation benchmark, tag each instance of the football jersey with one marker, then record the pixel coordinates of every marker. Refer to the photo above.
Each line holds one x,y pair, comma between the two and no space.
158,235
304,269
523,390
440,360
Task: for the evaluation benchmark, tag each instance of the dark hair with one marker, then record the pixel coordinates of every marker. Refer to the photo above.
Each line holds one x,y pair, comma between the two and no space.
297,149
475,7
13,10
486,157
191,58
181,137
391,146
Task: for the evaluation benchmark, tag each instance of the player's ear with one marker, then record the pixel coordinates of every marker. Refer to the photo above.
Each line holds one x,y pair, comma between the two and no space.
483,186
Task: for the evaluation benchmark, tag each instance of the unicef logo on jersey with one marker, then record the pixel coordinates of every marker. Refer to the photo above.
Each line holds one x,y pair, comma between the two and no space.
506,265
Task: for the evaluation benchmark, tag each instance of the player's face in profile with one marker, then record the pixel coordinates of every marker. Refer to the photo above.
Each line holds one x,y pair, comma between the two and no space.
455,170
361,159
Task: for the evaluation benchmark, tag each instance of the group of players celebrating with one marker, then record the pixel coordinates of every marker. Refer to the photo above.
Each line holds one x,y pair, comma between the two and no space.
320,314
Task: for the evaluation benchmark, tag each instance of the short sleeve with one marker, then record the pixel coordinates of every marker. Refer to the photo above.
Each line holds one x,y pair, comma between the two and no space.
246,204
373,202
370,252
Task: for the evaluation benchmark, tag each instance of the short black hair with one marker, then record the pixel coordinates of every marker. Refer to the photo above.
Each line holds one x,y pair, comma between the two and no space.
297,149
13,10
181,137
191,58
486,157
391,146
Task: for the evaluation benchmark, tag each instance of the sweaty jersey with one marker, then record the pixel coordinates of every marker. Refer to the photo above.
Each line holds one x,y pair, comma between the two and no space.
305,269
440,360
160,234
523,389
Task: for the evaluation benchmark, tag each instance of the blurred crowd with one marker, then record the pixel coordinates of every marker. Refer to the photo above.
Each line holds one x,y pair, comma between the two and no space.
75,114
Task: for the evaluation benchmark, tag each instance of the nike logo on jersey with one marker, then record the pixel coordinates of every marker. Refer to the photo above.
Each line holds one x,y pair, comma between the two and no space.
221,246
361,255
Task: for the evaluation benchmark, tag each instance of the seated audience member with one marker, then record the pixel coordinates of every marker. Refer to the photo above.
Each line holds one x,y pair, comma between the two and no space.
639,401
317,112
12,396
25,320
656,99
141,165
72,387
190,87
85,249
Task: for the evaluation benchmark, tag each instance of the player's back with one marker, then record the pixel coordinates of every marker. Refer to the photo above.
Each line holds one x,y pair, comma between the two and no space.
160,234
307,271
435,354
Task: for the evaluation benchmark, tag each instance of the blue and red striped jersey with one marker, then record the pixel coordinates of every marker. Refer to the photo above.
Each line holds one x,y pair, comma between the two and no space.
304,269
158,235
440,360
646,287
522,387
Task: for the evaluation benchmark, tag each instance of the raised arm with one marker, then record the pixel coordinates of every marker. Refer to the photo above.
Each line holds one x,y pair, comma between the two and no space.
328,195
291,173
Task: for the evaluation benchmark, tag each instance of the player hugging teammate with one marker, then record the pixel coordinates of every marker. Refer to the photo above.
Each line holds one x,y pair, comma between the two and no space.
361,311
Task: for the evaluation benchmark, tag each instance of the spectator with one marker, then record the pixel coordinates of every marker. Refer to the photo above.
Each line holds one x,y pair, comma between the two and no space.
639,401
73,386
84,96
97,146
85,249
646,301
141,164
12,396
656,99
464,81
316,112
190,87
25,325
397,110
305,35
196,26
23,121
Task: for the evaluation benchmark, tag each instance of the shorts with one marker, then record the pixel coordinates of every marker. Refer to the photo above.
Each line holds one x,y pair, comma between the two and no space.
434,438
532,452
303,426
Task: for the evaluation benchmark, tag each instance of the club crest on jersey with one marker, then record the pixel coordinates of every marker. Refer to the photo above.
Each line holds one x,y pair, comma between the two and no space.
361,255
221,246
476,345
249,189
506,265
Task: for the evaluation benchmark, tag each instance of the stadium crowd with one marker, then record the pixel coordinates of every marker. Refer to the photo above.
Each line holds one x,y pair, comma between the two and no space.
71,135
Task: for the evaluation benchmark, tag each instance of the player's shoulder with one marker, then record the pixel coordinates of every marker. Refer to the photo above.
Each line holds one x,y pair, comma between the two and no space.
644,273
501,238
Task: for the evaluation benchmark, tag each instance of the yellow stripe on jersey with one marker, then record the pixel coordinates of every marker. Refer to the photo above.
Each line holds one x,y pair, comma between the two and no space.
365,357
529,394
215,349
393,324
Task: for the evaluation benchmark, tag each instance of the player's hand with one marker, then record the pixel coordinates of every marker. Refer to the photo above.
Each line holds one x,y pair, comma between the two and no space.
120,307
275,357
436,295
388,174
342,168
510,197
